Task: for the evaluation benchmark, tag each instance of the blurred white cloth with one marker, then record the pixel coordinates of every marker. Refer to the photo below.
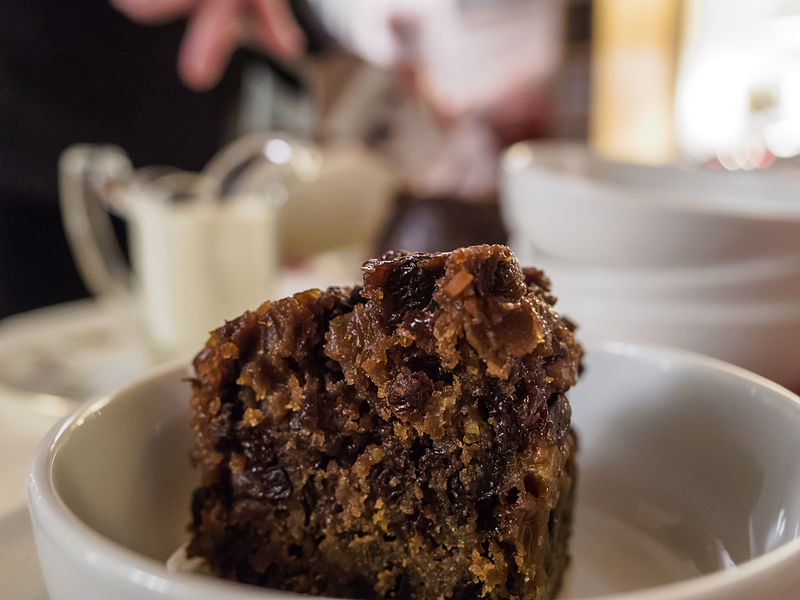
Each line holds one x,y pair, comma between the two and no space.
469,51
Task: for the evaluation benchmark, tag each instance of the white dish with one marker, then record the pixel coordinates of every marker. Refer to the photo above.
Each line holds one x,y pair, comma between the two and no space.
52,358
762,337
572,205
687,465
761,280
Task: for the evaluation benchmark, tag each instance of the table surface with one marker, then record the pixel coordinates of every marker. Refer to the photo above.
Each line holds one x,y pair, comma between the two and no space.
21,429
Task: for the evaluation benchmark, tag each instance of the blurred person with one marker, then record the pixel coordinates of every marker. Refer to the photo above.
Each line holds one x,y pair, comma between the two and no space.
479,72
82,71
216,28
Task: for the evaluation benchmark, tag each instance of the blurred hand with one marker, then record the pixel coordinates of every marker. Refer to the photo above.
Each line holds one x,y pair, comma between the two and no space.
215,29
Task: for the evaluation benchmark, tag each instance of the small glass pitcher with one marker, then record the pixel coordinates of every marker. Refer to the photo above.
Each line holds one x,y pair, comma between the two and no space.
203,246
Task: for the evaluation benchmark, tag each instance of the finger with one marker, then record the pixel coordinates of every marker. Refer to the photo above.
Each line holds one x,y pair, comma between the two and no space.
210,38
153,11
276,28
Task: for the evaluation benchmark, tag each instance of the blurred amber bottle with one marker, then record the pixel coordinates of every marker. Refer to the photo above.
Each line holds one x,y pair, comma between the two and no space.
635,49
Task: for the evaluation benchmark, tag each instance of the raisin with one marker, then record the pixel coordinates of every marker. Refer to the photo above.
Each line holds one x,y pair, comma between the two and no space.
276,484
409,394
455,489
410,287
559,415
467,591
388,482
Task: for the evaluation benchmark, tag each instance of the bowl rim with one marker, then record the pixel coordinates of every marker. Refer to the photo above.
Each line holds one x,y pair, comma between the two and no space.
685,310
550,160
54,519
759,270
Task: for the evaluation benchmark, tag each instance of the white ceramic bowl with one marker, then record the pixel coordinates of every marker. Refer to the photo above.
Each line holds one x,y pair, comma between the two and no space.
769,279
761,337
572,205
745,313
688,466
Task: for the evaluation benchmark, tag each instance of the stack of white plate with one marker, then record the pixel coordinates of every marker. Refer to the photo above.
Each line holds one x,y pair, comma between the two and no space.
704,260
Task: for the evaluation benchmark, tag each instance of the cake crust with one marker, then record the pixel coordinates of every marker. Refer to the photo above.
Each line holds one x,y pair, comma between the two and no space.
408,438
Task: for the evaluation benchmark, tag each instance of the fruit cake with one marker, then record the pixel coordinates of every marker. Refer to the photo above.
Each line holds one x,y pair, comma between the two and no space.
407,438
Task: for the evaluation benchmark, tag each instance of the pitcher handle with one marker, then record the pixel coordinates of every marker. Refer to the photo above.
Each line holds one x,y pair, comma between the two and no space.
241,163
89,176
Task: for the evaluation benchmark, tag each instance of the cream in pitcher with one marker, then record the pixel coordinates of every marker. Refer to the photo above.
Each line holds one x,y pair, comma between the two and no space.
197,263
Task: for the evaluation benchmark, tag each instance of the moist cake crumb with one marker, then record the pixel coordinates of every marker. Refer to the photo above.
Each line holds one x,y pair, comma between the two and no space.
408,438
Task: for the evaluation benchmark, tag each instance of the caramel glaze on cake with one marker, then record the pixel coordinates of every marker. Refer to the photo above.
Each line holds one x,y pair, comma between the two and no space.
406,439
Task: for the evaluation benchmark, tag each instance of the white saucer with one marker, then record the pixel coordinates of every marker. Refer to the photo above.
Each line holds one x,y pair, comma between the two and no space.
53,358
